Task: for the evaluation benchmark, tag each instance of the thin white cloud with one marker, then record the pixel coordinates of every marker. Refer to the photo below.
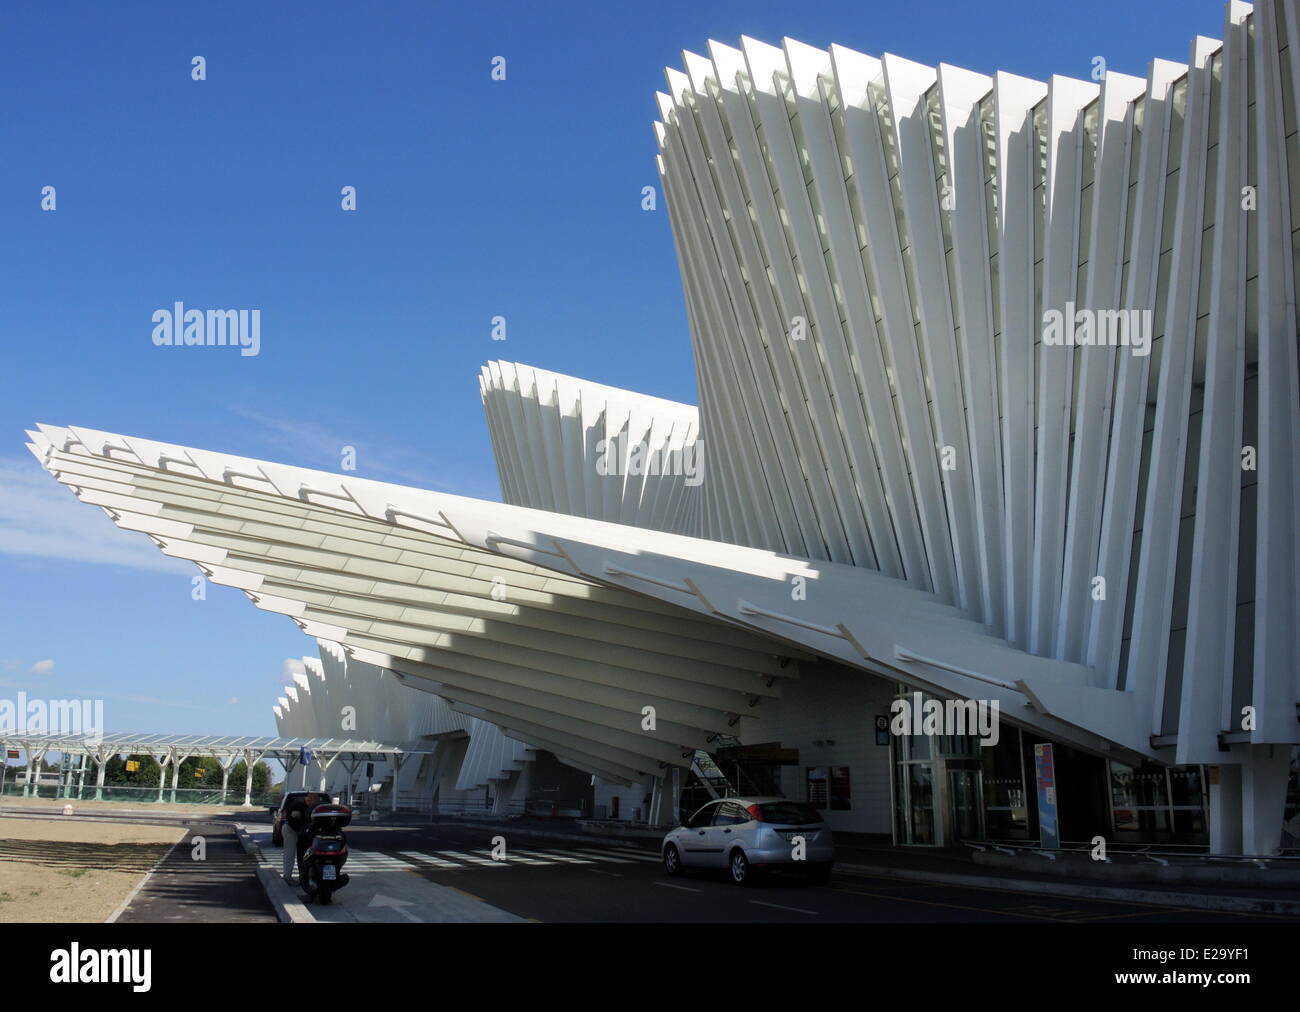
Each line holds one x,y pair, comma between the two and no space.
45,667
322,448
132,697
40,517
292,666
82,692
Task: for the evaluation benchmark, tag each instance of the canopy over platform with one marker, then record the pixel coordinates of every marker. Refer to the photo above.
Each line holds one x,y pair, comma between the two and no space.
287,750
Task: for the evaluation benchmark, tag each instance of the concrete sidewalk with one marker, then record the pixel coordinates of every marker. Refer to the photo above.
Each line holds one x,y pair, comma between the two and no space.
372,896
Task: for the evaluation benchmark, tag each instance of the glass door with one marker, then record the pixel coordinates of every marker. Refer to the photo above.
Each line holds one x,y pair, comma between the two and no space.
965,805
914,808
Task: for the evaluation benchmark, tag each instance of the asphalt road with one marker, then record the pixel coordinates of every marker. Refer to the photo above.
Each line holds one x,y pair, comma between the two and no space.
566,880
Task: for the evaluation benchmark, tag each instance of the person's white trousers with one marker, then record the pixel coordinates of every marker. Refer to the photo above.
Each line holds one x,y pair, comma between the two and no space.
290,850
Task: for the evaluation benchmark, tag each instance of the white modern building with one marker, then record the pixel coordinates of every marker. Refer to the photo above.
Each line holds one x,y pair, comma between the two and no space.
570,446
998,382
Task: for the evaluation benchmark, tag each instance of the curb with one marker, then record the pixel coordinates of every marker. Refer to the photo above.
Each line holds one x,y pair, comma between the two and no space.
1201,901
289,908
1189,874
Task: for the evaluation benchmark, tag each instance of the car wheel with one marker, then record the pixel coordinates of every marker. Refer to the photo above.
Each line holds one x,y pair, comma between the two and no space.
741,873
672,860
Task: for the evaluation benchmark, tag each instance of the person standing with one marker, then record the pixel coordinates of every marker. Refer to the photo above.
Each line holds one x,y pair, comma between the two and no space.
297,814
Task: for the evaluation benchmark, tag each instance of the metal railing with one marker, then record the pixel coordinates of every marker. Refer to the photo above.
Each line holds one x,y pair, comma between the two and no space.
137,795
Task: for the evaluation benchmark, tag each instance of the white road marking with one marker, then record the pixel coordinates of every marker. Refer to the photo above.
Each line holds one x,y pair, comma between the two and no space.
599,855
624,857
515,857
485,862
375,861
778,906
409,859
429,859
559,855
673,885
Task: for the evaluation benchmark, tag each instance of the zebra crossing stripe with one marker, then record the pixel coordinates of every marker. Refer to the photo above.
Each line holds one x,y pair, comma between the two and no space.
375,861
561,856
515,856
379,861
429,859
623,855
599,855
485,862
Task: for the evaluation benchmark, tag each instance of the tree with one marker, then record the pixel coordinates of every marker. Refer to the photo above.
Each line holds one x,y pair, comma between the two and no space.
116,774
261,776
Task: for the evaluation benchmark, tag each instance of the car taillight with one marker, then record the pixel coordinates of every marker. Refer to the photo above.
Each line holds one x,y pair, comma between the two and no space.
755,813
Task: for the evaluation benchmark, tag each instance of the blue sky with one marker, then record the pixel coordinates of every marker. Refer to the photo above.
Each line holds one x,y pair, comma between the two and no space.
475,198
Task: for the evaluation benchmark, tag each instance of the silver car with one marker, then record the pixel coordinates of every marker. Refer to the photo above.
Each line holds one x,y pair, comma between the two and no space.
752,834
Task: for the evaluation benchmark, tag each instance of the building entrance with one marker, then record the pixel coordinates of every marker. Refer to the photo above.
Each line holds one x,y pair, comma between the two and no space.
965,805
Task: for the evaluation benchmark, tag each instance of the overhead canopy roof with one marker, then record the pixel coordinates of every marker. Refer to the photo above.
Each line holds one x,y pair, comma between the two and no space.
209,745
561,630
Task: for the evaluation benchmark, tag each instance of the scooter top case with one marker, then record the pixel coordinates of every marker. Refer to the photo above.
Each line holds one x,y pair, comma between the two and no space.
330,818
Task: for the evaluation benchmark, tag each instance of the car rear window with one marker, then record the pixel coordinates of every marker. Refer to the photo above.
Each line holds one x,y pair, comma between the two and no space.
296,795
789,813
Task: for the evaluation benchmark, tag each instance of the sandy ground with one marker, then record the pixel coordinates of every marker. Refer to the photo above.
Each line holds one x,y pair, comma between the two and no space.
53,804
52,870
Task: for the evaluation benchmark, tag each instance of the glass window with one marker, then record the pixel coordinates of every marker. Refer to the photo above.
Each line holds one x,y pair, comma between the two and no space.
917,745
703,817
841,795
817,786
921,789
1154,801
1006,808
958,746
1185,787
789,813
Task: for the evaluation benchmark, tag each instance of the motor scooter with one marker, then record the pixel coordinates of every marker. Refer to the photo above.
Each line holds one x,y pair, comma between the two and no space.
325,852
